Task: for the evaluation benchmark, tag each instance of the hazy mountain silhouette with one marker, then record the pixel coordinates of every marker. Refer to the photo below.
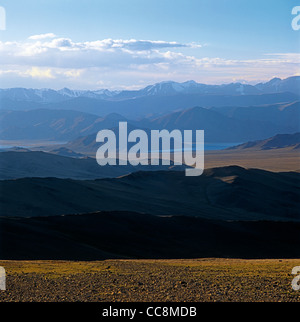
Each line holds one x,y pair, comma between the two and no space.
60,125
134,108
276,85
22,164
157,99
217,126
283,117
221,124
166,88
278,141
64,152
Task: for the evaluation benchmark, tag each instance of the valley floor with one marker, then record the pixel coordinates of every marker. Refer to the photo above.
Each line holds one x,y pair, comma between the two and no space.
151,280
277,160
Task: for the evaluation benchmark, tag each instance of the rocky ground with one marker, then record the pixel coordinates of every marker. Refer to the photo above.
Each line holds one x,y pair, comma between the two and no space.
150,280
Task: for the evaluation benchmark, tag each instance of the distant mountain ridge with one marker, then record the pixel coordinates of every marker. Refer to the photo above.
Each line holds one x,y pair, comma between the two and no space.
217,125
228,113
150,106
222,124
278,141
166,88
60,125
37,164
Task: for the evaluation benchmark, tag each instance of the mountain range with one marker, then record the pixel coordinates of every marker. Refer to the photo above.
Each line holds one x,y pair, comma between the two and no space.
154,100
58,203
166,88
222,124
60,125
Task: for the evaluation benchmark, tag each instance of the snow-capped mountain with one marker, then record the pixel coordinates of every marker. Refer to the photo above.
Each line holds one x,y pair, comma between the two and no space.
191,87
276,85
166,88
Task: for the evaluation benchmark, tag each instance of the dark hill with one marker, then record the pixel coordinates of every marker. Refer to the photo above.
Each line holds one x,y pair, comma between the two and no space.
229,193
39,164
104,235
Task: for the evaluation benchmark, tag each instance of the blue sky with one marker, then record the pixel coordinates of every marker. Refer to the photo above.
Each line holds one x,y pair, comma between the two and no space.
129,44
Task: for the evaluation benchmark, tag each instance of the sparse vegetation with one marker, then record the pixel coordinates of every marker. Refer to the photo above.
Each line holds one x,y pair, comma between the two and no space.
151,280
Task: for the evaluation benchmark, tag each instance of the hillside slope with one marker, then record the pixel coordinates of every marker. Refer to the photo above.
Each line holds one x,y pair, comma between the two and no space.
279,141
229,193
103,235
38,164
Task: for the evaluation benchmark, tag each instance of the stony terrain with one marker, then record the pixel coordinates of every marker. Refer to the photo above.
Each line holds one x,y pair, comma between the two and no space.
151,280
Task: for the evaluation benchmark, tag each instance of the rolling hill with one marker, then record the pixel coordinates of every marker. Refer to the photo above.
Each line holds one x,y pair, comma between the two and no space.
38,164
217,126
282,118
227,193
145,106
103,235
221,124
279,141
59,125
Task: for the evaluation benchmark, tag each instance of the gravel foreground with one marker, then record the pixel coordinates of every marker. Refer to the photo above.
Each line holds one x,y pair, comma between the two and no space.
195,280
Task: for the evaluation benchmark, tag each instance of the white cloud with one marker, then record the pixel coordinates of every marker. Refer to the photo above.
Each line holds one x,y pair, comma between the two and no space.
58,62
64,53
36,72
42,36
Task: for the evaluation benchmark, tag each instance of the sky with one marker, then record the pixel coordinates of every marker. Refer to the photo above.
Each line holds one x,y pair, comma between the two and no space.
118,44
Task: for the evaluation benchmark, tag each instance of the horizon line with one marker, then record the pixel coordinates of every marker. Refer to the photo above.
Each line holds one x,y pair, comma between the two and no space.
145,86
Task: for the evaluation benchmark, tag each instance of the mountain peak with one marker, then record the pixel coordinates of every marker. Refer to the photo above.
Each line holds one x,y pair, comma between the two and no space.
274,81
164,88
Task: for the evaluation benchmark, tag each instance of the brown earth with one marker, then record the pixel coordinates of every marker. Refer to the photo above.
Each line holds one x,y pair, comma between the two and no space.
203,280
276,160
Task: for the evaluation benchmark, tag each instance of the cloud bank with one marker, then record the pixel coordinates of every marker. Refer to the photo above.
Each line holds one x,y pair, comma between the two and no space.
47,60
